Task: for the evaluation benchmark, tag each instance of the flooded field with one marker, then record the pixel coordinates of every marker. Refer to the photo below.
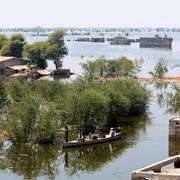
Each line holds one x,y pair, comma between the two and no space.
144,142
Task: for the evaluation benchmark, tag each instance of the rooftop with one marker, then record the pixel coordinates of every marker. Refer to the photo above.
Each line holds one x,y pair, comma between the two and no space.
19,67
43,72
5,58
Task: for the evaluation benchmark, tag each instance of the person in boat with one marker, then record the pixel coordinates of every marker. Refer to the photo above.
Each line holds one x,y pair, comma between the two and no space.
79,135
112,132
66,134
82,135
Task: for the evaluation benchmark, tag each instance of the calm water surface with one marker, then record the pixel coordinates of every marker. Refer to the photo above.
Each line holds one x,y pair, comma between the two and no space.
145,142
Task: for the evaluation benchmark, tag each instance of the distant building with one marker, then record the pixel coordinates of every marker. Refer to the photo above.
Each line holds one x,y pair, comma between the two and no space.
97,39
157,41
6,61
83,39
121,42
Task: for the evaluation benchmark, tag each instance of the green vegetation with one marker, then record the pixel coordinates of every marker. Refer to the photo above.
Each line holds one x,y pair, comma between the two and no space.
13,46
120,37
160,69
40,108
38,52
121,67
4,101
173,100
3,40
56,49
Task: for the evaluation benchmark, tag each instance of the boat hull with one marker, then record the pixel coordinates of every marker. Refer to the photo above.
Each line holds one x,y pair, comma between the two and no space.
72,144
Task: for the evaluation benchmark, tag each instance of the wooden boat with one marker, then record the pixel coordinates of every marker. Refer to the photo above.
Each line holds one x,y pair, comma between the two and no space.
72,144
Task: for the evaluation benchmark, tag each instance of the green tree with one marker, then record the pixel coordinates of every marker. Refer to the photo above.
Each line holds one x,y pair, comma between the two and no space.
126,67
160,69
36,52
22,121
4,101
56,50
121,67
3,40
14,47
88,109
173,100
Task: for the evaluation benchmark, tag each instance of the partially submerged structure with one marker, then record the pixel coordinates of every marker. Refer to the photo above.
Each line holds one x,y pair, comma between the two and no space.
174,128
157,41
160,170
20,69
83,39
97,39
121,42
7,61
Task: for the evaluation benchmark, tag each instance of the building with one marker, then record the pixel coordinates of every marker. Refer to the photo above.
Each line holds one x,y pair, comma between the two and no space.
20,69
157,41
6,61
97,40
121,42
83,39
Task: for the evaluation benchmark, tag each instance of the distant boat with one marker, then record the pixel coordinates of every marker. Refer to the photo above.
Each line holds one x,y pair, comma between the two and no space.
75,143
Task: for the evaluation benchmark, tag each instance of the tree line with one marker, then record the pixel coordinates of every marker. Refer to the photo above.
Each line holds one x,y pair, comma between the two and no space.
35,111
121,67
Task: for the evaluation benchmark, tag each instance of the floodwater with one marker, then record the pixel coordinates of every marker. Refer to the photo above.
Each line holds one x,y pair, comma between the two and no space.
145,140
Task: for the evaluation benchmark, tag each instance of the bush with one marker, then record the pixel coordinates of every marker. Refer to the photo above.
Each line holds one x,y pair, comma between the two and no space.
40,108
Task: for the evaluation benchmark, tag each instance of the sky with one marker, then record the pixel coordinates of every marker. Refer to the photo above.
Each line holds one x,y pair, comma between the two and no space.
90,13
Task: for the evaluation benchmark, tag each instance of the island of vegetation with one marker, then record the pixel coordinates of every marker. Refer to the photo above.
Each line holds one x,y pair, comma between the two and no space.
35,111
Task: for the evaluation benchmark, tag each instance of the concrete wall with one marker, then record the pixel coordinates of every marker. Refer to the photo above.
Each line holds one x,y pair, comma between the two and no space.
174,128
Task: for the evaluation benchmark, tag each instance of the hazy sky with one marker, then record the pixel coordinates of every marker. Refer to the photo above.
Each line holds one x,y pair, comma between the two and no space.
90,13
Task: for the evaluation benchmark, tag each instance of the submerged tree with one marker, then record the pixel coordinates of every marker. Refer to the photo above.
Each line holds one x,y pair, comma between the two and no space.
160,69
173,101
40,108
36,52
56,50
120,67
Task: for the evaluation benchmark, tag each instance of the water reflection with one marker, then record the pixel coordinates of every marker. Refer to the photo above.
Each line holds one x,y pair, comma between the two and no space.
161,88
31,161
48,161
174,147
94,158
90,159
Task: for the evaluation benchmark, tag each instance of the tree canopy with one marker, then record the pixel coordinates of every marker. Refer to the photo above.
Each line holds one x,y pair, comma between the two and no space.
120,67
160,69
14,46
56,49
40,108
3,40
36,52
53,49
